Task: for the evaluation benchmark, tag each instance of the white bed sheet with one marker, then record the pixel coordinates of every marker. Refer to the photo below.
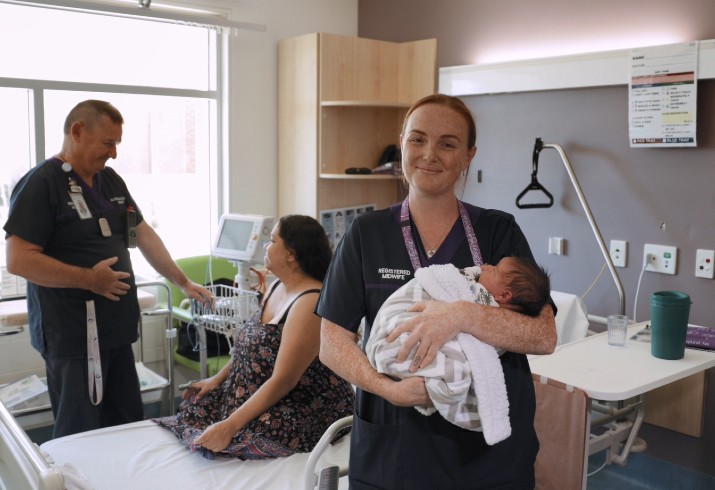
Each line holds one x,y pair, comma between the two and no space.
143,455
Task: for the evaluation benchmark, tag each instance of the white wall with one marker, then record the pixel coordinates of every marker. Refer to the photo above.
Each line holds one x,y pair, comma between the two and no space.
253,108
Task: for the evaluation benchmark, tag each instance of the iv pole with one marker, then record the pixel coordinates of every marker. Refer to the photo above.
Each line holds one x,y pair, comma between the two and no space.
538,146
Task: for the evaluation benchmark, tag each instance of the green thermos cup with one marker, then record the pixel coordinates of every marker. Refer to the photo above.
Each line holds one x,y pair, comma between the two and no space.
669,312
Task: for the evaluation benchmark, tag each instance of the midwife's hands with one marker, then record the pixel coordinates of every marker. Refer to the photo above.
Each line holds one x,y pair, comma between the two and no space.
216,437
409,392
435,324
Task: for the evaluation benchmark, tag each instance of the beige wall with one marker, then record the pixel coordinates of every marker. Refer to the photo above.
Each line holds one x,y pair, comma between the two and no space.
487,31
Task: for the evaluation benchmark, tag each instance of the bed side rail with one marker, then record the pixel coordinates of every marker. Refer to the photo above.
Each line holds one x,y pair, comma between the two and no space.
310,478
21,461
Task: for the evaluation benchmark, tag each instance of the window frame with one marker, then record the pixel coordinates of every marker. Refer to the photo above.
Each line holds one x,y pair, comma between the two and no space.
217,93
37,88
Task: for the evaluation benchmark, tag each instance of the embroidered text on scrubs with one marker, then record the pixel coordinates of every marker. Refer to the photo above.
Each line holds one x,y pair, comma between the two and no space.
387,273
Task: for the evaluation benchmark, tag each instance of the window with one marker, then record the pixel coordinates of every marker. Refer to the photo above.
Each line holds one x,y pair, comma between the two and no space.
162,77
14,122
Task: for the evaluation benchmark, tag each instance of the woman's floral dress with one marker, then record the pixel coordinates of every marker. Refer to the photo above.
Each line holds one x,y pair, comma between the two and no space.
294,424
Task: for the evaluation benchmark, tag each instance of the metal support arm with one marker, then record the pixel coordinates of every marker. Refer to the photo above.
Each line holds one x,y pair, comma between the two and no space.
592,222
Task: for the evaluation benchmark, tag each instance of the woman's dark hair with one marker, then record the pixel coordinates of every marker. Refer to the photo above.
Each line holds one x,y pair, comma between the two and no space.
530,286
306,238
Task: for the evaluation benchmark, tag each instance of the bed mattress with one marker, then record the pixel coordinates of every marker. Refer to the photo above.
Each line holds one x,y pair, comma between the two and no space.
144,456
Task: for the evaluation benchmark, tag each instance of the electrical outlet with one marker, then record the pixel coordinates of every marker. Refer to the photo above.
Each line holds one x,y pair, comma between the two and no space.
619,251
663,258
704,263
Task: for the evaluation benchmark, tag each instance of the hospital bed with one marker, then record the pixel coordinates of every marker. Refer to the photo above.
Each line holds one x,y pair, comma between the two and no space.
143,455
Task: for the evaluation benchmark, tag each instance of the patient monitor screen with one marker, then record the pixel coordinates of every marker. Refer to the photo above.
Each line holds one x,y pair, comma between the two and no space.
241,237
235,235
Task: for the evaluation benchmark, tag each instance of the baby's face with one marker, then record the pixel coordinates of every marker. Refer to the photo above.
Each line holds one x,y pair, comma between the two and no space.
494,277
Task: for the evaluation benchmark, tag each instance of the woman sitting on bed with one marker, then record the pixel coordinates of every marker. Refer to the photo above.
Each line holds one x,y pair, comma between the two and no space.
275,397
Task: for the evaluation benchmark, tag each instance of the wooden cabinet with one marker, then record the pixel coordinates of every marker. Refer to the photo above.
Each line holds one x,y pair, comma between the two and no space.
341,101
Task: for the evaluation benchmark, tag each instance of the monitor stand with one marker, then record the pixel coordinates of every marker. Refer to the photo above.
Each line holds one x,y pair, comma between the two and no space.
243,277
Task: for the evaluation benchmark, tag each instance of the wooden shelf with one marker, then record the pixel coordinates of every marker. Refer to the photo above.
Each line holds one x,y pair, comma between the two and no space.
341,102
364,103
360,176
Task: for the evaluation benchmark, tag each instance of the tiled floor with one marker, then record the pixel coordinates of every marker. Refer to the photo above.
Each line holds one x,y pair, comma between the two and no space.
644,472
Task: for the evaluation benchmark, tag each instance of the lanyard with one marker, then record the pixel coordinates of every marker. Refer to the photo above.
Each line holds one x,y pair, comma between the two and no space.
83,211
94,363
410,241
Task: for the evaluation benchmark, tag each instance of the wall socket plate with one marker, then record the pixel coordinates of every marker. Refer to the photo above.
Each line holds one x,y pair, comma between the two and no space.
704,263
663,258
619,252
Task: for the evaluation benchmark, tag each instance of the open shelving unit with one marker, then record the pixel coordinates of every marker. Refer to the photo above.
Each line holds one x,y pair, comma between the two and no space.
341,101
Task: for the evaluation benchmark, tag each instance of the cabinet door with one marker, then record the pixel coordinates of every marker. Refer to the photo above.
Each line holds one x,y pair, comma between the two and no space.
358,69
377,71
417,73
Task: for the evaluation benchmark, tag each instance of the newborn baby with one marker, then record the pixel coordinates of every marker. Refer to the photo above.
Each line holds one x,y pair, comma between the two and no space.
465,381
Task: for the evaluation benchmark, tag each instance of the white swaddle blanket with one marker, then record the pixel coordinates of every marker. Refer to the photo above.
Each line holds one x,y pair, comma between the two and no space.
465,381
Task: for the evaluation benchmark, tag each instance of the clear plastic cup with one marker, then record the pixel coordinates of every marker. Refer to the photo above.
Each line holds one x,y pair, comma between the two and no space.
617,329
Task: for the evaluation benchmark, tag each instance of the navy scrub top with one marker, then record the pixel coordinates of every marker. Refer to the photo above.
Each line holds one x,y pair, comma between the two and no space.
397,447
41,212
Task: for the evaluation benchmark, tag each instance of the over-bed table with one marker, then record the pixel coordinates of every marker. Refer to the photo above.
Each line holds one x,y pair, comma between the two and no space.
618,376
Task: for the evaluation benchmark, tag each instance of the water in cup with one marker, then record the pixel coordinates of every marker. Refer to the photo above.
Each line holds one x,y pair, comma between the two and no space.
617,329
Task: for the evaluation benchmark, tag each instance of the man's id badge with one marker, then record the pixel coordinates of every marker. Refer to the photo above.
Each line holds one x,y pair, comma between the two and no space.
104,227
80,205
